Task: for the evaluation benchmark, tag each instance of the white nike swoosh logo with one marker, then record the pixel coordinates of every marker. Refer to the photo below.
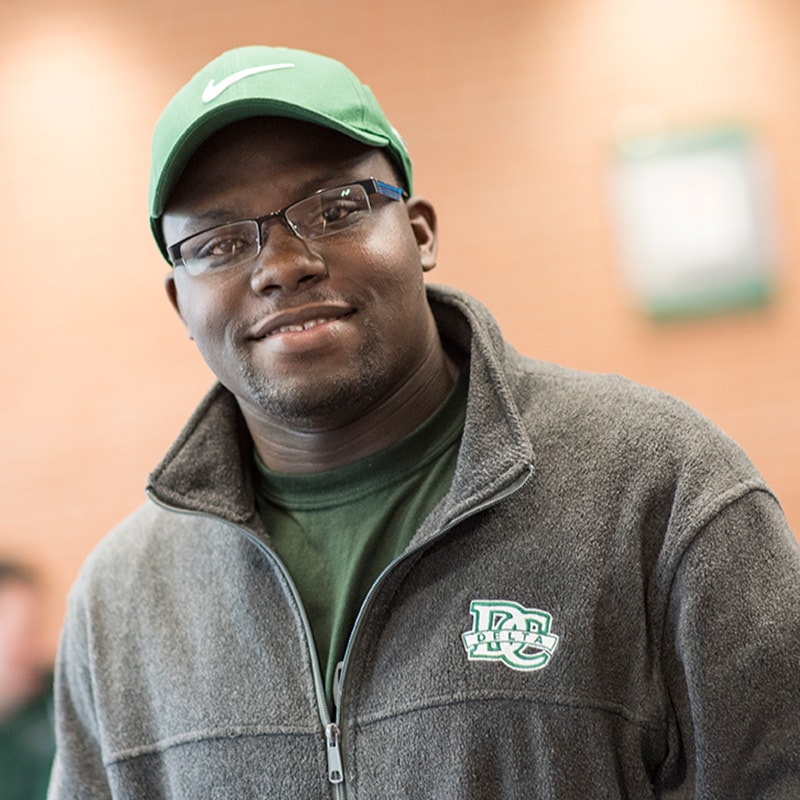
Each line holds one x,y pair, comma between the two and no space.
214,90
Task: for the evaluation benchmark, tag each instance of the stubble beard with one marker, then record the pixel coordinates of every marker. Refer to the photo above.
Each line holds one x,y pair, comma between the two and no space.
317,399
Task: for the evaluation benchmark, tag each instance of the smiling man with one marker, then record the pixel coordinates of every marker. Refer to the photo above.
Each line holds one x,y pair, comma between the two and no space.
388,556
315,318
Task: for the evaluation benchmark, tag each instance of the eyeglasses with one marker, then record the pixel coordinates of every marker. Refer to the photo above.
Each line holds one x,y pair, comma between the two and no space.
324,213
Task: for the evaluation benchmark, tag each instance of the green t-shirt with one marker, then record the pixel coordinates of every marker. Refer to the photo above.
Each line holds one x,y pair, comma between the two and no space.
337,530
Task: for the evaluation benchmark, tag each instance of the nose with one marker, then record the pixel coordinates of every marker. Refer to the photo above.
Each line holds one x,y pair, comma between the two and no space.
285,262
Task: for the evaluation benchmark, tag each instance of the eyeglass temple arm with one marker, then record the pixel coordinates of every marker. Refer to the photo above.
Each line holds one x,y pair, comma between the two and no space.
387,190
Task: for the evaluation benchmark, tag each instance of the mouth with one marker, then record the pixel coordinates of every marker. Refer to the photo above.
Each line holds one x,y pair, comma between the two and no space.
299,320
297,327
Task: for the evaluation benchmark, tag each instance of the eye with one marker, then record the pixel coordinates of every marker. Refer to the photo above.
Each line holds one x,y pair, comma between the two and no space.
330,211
335,209
220,247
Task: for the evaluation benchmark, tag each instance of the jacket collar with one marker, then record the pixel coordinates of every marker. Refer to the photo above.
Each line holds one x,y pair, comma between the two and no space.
209,467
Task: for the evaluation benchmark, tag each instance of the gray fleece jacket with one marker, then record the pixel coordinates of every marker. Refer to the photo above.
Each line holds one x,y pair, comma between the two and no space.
604,605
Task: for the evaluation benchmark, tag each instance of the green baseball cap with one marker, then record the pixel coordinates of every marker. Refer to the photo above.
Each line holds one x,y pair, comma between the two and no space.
264,81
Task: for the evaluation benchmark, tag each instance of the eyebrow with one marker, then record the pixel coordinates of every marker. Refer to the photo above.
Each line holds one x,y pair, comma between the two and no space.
216,215
328,180
334,176
224,215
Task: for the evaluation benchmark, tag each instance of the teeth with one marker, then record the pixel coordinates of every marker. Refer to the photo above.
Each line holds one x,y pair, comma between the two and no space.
312,323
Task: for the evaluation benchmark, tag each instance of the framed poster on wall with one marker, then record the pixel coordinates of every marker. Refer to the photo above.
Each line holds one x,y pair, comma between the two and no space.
694,221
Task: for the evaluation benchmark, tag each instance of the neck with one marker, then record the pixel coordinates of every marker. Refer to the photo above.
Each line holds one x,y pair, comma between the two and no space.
317,446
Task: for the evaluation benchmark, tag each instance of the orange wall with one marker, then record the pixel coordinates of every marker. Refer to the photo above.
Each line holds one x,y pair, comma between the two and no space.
509,111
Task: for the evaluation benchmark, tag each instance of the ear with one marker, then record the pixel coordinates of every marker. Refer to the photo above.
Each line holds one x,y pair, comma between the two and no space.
172,293
422,216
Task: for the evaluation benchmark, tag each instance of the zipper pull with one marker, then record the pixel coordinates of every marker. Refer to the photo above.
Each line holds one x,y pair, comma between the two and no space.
335,773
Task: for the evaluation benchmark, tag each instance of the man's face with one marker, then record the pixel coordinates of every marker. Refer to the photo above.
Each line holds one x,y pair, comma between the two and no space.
309,333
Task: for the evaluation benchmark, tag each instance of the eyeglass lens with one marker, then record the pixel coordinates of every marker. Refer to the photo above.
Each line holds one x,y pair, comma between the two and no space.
314,217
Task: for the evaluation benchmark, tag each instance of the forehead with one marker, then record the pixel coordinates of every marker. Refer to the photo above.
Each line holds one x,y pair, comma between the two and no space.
284,154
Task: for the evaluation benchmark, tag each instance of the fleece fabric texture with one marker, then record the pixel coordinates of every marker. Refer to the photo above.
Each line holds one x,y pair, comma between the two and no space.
604,605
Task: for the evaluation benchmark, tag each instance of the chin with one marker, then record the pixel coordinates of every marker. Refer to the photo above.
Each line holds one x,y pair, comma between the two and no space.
317,404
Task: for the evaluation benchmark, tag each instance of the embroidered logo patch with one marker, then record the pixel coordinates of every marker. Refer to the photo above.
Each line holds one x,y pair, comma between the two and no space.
505,631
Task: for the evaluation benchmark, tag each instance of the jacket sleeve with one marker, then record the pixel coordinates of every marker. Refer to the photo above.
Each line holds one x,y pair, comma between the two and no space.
78,770
732,651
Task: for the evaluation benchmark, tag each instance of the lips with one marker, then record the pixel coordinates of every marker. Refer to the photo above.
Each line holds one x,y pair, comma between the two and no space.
299,319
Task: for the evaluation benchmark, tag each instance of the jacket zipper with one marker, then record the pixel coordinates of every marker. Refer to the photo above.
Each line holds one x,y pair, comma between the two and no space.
502,494
335,771
332,728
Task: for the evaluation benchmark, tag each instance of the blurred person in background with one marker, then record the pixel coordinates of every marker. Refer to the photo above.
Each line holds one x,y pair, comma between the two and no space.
26,714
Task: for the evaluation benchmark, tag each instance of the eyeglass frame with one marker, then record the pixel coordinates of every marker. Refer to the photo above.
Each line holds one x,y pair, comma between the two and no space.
370,185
